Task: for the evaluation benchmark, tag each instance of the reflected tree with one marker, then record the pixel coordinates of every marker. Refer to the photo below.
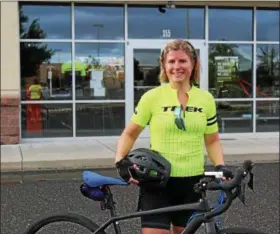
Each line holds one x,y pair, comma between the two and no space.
268,67
32,53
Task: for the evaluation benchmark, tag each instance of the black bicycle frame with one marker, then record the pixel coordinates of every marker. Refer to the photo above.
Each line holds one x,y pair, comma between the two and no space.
201,206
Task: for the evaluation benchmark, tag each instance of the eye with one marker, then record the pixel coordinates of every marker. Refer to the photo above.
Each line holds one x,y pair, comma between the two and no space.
183,60
171,61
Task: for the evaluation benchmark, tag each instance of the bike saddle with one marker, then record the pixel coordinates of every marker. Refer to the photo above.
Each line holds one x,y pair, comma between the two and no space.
96,180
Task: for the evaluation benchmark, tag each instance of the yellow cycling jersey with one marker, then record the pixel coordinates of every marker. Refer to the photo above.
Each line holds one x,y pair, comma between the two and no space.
183,149
35,91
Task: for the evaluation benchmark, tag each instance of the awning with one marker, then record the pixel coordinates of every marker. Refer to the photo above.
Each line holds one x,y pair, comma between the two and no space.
79,67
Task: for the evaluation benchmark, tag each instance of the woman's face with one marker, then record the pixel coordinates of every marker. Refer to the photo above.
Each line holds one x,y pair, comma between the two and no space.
178,66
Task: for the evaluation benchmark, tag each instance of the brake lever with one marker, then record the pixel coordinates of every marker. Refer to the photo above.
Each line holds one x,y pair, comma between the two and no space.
241,195
251,181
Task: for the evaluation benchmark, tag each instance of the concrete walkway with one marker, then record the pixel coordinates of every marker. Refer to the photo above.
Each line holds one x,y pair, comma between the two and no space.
99,153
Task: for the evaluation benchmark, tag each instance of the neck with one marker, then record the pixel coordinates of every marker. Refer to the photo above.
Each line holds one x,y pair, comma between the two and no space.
184,86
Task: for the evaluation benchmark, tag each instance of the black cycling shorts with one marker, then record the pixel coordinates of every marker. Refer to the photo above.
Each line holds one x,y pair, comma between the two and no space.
179,190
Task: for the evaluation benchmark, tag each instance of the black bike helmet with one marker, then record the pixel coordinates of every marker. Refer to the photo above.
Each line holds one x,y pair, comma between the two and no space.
150,168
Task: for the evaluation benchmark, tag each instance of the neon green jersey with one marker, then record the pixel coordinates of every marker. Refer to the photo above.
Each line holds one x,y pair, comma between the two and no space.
183,149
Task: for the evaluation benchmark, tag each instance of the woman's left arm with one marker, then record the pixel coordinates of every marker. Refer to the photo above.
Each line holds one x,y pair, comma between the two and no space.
214,148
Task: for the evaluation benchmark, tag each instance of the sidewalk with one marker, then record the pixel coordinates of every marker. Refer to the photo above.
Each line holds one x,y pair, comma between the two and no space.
99,153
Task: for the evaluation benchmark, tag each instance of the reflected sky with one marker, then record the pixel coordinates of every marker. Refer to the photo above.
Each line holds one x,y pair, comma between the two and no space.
149,23
230,25
110,28
54,20
268,25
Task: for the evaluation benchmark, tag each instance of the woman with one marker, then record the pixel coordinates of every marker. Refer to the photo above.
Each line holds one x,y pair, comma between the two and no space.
181,117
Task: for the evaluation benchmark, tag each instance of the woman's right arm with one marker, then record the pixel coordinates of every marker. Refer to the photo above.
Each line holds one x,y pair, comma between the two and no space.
127,140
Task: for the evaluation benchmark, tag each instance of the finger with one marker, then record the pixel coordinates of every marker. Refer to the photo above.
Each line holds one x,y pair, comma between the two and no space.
131,180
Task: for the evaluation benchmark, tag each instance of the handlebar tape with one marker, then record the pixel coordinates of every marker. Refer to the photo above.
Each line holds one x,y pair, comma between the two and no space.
235,181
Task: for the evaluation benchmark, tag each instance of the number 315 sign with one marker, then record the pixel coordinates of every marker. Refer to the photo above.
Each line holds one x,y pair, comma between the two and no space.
166,33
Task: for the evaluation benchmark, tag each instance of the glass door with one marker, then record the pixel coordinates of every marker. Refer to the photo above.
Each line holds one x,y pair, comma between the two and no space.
142,71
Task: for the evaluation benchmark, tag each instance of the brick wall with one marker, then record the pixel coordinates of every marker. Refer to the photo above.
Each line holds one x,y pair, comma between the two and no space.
10,107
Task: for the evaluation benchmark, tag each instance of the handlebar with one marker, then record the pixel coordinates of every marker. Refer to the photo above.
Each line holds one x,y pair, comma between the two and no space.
228,185
212,184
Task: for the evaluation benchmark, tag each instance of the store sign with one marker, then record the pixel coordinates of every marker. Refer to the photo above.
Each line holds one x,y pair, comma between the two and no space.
226,67
166,33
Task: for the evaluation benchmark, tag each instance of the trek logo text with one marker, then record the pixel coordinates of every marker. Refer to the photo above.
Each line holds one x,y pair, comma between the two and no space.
188,109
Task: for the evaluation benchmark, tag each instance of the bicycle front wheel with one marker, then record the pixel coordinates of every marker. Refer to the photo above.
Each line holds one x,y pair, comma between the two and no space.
240,231
70,218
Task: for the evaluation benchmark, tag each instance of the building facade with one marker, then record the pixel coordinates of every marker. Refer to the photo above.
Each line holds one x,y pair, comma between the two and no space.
78,69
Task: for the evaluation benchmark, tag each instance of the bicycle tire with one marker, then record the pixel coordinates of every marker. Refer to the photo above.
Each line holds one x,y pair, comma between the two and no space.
240,230
71,218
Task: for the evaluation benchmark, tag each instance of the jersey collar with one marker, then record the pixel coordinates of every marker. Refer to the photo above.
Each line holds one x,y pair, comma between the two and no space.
193,88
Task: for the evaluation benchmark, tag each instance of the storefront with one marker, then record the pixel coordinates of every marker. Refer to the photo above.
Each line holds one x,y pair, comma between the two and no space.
84,66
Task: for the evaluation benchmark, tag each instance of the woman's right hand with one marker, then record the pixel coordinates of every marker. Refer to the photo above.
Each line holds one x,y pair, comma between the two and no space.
123,166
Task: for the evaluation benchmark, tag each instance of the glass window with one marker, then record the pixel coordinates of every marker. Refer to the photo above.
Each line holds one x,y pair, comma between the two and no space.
104,71
268,25
267,116
230,70
99,22
235,116
38,21
46,120
146,71
163,23
102,119
46,71
230,24
268,71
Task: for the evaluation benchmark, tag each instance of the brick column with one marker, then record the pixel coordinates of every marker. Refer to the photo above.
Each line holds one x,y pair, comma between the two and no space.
10,110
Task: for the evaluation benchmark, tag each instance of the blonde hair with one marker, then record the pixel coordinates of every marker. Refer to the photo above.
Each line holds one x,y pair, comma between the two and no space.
189,49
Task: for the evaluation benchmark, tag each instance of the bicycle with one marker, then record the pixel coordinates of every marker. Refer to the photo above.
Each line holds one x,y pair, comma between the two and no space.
97,187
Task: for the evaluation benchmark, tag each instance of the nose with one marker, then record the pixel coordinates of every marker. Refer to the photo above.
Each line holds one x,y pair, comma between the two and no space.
177,65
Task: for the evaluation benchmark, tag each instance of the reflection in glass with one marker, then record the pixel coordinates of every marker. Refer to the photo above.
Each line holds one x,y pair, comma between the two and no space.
267,116
46,120
151,22
99,22
43,73
146,71
103,76
230,70
268,24
230,24
268,71
235,116
102,119
38,21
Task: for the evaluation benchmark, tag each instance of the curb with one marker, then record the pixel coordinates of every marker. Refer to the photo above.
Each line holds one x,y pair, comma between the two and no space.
108,163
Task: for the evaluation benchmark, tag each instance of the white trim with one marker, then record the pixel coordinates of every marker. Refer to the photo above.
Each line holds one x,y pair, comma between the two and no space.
46,40
99,41
125,22
163,41
73,69
268,42
234,99
245,100
267,99
230,42
254,82
99,101
206,15
48,102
